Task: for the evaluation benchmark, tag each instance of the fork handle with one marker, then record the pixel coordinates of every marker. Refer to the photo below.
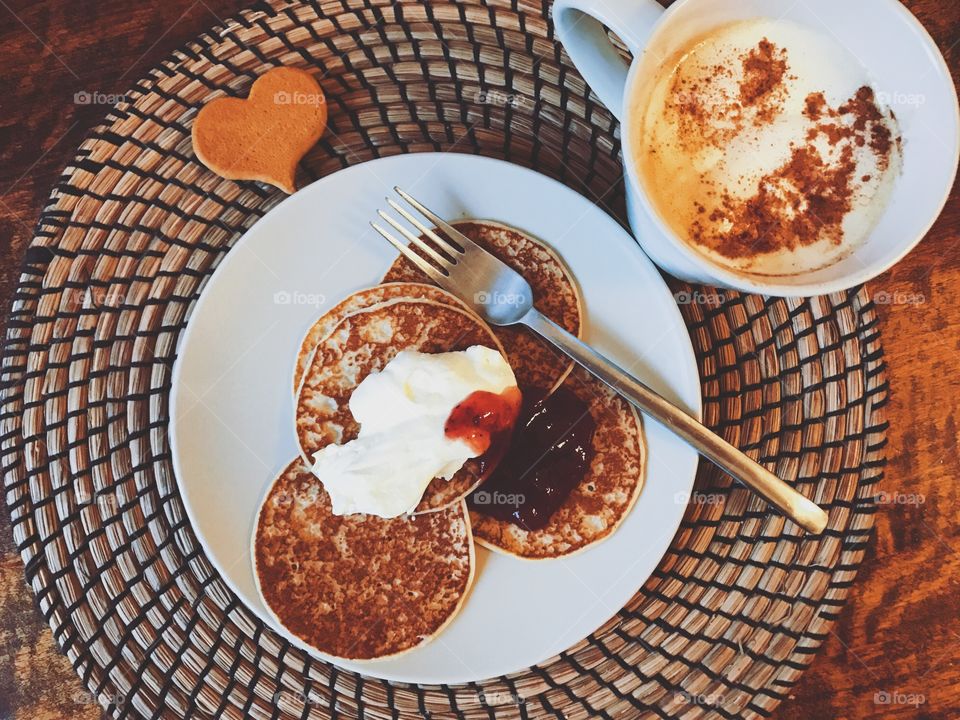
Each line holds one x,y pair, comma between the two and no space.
803,511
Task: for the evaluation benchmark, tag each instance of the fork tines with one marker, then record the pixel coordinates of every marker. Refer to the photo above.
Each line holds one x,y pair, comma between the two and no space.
435,260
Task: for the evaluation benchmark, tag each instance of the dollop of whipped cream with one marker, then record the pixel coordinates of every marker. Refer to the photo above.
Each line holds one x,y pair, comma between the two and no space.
402,446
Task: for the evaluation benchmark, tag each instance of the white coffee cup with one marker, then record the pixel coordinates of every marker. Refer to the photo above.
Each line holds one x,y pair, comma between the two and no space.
906,69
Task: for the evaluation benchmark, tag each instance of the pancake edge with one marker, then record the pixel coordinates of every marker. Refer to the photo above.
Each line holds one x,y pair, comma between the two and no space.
306,351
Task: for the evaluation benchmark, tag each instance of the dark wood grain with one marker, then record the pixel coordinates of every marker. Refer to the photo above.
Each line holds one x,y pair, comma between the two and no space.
899,635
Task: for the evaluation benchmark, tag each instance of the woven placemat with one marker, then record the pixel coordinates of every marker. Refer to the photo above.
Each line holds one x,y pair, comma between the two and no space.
736,609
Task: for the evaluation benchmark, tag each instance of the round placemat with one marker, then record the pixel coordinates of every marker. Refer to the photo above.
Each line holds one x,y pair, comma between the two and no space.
737,607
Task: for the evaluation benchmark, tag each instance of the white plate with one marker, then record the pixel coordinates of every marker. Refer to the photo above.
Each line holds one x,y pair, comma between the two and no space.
231,405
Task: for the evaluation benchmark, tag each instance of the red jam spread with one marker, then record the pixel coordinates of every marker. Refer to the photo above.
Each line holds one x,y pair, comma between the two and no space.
484,419
549,455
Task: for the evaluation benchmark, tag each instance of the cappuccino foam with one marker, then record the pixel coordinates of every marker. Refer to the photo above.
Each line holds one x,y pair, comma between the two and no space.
763,146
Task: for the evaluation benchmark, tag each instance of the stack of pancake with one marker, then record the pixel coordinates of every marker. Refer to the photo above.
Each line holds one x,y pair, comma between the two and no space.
362,587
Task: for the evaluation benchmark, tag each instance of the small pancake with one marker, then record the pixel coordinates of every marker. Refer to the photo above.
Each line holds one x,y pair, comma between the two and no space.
536,363
365,342
358,301
358,587
597,506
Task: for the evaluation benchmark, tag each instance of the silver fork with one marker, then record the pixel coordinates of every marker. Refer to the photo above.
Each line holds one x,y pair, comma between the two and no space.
501,296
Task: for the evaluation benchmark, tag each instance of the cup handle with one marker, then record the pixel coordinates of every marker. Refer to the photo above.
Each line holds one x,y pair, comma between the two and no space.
579,27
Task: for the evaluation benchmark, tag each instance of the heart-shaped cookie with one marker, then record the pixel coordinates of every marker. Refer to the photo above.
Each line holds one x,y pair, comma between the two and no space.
264,136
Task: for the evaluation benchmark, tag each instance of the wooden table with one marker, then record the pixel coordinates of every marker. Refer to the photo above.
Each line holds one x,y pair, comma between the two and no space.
900,632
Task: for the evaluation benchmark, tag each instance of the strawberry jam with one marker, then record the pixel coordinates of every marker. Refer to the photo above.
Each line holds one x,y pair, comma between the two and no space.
549,455
484,420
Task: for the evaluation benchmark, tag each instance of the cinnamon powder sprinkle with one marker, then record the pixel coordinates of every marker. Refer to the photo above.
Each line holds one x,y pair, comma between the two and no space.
807,198
814,106
710,114
802,201
858,120
764,68
868,118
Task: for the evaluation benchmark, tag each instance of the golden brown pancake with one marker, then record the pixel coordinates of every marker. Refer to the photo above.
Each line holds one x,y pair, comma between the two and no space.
358,587
364,342
535,362
597,506
358,301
